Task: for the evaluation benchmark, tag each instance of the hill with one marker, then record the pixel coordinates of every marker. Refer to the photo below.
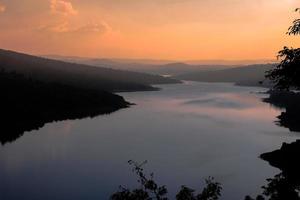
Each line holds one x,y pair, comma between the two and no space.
249,75
78,75
27,104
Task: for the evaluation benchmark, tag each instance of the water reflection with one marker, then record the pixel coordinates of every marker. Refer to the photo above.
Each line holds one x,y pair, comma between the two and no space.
12,129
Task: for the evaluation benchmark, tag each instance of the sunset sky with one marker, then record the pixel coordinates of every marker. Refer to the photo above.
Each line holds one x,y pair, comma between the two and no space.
157,29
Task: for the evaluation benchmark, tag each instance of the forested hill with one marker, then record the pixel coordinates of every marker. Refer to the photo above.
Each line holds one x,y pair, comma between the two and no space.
28,104
78,75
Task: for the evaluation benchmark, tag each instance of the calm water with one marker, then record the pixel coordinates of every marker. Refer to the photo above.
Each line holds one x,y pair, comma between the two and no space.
186,132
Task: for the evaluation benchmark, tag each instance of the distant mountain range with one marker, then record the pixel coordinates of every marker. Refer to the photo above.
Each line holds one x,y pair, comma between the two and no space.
79,75
143,66
163,62
160,67
206,71
250,75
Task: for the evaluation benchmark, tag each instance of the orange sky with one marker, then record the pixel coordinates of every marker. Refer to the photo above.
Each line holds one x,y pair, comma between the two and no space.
159,29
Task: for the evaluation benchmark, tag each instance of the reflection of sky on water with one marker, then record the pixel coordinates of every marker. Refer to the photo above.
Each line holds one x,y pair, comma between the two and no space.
186,132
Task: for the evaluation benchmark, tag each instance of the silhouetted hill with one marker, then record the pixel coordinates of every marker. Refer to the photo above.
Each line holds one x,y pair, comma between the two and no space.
27,104
249,75
77,74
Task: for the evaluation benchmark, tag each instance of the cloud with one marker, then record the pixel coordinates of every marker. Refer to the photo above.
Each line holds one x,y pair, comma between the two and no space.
62,7
57,28
2,8
65,27
93,28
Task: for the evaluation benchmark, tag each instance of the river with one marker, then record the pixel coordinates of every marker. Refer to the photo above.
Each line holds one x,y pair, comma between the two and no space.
187,132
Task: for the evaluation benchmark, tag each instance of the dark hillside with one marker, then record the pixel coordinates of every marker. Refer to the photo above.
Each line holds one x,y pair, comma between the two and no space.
28,104
77,74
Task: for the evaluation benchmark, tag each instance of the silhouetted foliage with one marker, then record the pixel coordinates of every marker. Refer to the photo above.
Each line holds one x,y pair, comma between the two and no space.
186,194
259,197
295,28
285,185
280,187
286,74
150,190
212,191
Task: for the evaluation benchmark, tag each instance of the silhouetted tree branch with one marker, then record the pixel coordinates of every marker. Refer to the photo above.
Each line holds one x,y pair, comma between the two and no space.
150,190
295,28
287,74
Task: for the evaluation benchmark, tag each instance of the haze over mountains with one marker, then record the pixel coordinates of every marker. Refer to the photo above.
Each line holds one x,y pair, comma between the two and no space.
78,75
161,67
113,75
144,66
203,71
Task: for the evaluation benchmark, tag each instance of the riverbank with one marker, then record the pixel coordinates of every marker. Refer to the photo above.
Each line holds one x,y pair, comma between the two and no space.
289,101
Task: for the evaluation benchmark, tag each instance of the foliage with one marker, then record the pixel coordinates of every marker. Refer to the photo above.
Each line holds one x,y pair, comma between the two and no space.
259,197
295,28
150,190
212,191
185,194
286,75
281,187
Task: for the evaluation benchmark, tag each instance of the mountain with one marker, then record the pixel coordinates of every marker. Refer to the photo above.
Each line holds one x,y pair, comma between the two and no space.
174,69
79,75
231,62
117,60
249,75
144,66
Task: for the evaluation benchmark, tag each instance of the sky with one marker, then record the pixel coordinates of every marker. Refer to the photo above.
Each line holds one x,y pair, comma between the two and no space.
153,29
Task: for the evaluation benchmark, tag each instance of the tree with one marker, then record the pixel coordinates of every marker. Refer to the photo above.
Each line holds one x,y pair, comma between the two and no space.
212,191
286,75
294,29
150,190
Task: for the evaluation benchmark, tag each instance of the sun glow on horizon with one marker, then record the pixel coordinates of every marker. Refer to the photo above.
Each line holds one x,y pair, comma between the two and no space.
159,29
